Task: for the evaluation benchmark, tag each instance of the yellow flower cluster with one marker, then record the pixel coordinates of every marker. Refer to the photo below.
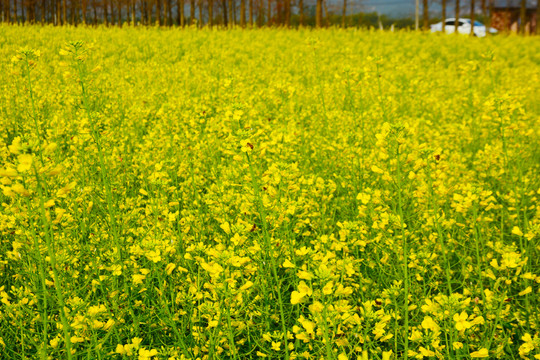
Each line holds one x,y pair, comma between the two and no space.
335,194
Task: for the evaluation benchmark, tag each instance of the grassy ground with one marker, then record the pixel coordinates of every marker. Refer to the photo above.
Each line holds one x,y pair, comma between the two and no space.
285,194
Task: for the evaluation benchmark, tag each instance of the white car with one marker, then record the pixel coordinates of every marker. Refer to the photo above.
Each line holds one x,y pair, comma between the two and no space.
464,27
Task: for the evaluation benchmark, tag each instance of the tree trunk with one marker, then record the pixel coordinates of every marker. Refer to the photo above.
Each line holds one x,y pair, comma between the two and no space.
279,12
43,11
318,14
472,18
261,13
74,10
211,13
165,13
537,30
106,12
523,17
251,13
490,14
288,13
344,15
170,21
443,15
268,13
200,14
15,12
113,14
301,9
192,12
425,15
7,10
133,12
181,13
326,17
159,12
119,11
146,12
224,7
231,19
508,19
243,13
456,24
83,10
26,13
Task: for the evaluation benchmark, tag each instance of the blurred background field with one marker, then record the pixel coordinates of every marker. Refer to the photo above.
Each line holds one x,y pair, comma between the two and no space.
334,194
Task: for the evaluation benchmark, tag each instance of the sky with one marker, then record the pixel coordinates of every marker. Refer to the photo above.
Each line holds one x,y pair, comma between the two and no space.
390,7
397,7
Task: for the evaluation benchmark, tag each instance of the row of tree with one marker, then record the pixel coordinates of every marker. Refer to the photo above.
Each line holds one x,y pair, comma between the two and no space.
486,7
162,12
211,12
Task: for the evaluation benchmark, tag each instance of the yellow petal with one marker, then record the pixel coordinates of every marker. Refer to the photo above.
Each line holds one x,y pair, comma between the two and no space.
526,291
120,349
19,189
482,353
304,289
327,289
288,264
377,169
296,297
517,231
226,227
9,172
169,268
25,162
246,286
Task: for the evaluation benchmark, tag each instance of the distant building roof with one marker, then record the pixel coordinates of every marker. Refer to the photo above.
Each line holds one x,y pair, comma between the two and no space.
531,4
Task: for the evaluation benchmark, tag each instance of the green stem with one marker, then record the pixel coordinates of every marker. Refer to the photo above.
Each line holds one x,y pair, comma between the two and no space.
269,252
49,238
102,164
405,256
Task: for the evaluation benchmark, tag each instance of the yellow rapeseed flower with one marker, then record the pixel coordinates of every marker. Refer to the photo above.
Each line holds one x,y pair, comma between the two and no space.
25,162
461,321
482,353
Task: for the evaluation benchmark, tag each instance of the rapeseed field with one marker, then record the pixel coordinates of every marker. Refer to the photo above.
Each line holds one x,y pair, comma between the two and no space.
331,194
